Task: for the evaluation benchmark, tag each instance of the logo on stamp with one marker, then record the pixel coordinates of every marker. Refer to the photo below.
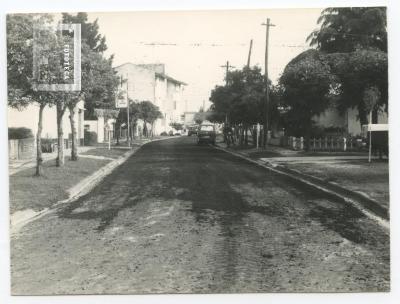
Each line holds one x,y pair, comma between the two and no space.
57,58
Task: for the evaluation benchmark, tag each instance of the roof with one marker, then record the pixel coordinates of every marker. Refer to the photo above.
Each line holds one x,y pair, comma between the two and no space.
169,78
153,68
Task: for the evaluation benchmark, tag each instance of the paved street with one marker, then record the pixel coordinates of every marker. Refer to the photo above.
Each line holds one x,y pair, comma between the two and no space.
178,217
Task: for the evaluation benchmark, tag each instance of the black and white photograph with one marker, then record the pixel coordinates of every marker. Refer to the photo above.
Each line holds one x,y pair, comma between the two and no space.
199,151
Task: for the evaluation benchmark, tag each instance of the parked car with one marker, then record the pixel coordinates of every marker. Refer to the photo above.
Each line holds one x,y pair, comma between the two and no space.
192,130
206,134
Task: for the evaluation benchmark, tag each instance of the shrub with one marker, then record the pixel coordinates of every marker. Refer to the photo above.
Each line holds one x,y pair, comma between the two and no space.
19,133
164,133
48,145
90,138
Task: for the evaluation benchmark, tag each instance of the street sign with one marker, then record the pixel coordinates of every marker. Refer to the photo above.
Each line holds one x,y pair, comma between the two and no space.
378,127
121,103
373,128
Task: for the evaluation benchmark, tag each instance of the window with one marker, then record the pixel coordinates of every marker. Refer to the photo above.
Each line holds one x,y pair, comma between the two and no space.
207,128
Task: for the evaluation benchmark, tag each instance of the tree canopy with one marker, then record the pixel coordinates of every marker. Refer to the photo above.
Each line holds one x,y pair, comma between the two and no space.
345,29
307,87
89,31
242,100
99,80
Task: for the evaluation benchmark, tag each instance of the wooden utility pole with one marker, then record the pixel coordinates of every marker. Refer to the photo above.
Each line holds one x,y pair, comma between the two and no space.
227,66
248,58
265,131
127,110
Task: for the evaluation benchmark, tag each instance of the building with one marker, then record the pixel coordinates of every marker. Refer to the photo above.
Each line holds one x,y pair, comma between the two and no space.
189,118
150,82
347,121
29,117
103,125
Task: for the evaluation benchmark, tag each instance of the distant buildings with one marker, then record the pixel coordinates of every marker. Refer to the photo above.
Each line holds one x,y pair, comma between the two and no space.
150,82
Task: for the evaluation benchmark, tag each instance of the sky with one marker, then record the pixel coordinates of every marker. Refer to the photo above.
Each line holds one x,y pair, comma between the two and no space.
194,45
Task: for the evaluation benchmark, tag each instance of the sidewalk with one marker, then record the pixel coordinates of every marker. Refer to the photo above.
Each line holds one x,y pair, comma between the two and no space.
15,166
347,174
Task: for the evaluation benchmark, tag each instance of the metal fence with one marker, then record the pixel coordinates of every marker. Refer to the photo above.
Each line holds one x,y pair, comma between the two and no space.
329,144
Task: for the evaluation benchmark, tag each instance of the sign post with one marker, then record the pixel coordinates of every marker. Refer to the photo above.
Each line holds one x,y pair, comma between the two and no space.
370,137
124,103
371,128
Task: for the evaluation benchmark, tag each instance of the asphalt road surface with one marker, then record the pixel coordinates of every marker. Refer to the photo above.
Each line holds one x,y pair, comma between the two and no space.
183,218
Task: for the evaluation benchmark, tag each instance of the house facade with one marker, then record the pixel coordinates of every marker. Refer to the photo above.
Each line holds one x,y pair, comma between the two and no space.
150,82
348,121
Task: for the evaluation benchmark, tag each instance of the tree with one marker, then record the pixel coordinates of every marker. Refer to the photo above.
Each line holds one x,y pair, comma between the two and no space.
149,113
199,116
221,102
89,31
355,40
345,29
307,89
242,102
99,80
358,72
20,80
176,125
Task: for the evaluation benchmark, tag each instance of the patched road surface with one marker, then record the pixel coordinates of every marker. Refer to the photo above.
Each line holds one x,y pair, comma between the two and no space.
183,218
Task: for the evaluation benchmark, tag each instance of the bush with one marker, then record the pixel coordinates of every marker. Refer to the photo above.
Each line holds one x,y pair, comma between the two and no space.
48,145
19,133
164,133
90,138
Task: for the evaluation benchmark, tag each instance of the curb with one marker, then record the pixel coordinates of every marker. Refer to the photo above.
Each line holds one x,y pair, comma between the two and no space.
80,189
367,206
367,202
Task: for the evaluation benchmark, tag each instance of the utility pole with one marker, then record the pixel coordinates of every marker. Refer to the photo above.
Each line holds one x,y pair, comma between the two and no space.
227,66
127,110
265,133
248,58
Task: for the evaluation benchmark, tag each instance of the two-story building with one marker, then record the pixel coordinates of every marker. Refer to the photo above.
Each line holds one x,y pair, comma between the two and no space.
150,82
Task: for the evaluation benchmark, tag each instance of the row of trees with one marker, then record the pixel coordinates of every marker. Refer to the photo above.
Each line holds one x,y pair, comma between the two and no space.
347,68
145,111
99,82
241,102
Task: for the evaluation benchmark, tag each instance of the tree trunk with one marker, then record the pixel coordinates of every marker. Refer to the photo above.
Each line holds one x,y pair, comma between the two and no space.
145,129
374,116
74,147
254,135
39,158
60,135
362,115
307,136
117,132
246,136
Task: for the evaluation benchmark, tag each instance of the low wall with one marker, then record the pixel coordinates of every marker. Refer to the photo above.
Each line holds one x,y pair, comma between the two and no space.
21,148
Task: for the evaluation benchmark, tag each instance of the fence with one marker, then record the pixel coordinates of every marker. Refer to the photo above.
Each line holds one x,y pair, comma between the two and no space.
21,148
329,144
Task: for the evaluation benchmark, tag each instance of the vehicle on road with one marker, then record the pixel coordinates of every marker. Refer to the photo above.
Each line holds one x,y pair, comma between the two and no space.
192,130
206,134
